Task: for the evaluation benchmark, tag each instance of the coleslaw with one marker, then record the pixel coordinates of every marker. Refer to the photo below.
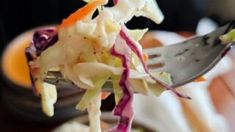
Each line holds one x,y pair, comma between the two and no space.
89,51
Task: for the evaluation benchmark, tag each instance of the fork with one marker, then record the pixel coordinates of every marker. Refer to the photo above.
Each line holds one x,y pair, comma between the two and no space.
190,59
185,61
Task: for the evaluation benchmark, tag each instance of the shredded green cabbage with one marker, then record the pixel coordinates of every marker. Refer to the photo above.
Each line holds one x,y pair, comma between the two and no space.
82,54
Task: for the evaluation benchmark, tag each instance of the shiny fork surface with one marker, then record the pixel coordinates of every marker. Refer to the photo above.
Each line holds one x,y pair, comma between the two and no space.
188,60
185,61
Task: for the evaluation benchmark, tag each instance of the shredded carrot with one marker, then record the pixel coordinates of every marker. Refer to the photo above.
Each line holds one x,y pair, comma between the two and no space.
145,57
81,13
104,95
200,79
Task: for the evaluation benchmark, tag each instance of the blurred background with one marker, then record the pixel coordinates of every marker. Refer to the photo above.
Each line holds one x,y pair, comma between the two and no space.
179,14
17,17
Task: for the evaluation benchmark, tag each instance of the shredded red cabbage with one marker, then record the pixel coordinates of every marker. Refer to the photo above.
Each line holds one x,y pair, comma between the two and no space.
42,39
124,107
139,53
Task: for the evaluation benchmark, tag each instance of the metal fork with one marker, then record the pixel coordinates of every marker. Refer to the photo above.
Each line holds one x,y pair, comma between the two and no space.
185,61
188,60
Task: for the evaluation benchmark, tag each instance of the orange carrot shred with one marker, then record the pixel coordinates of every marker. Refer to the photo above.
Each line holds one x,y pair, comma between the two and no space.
81,13
200,79
105,95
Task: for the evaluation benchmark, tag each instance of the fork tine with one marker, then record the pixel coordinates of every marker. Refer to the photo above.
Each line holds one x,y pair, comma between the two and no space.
155,60
158,69
154,52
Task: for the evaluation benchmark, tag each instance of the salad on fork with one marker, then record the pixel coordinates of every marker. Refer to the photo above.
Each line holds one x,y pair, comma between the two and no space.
90,49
